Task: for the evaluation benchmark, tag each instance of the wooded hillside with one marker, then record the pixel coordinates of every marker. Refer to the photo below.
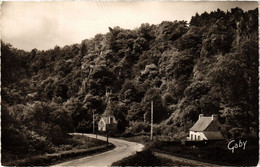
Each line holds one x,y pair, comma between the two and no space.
207,66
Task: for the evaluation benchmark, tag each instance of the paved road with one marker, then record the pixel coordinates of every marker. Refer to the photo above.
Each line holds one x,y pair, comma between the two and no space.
123,149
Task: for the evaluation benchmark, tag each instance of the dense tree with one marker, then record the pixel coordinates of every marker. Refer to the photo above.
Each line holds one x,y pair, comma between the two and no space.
209,66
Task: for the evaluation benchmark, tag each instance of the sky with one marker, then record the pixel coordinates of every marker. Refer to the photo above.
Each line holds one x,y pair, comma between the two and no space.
43,25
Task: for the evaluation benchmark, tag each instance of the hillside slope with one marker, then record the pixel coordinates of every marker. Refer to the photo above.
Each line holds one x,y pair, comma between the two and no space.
208,66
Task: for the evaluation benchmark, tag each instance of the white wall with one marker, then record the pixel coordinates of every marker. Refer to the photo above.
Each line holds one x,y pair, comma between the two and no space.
196,136
101,126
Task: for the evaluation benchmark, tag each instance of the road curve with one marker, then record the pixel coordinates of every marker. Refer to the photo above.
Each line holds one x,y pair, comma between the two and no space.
123,149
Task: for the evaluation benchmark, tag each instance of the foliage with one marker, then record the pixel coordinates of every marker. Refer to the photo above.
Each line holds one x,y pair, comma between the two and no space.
215,152
208,67
143,158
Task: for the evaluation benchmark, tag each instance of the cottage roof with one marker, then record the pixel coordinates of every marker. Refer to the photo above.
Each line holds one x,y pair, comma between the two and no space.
106,119
202,124
213,135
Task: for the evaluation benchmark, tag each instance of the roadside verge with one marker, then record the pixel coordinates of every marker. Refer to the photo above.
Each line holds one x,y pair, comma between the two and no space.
181,160
49,159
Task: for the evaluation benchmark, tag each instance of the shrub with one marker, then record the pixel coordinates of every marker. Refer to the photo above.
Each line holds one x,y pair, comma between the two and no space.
143,158
138,128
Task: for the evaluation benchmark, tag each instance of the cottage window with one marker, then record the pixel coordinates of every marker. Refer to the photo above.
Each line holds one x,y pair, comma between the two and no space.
194,137
191,137
198,137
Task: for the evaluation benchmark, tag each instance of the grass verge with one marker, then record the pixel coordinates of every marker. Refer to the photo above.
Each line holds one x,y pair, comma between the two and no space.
147,158
65,152
216,153
212,152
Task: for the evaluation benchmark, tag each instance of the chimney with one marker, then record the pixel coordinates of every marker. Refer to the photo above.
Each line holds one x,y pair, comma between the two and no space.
201,115
214,117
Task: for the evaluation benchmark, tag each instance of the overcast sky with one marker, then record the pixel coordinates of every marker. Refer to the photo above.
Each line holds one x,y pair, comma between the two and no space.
42,25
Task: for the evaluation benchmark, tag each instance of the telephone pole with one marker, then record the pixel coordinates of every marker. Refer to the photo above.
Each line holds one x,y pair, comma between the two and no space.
151,138
93,122
107,134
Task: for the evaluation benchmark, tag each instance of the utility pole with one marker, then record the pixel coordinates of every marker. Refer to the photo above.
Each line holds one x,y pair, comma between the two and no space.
107,134
151,138
93,122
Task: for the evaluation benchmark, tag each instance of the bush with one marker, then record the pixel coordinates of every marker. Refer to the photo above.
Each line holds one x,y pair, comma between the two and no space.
138,128
211,151
73,146
143,158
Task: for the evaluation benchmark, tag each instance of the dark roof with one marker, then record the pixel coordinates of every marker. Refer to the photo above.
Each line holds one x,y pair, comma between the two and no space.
213,135
202,124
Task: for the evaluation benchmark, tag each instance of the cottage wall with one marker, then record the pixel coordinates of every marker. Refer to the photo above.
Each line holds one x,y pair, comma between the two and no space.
100,128
110,126
196,136
101,125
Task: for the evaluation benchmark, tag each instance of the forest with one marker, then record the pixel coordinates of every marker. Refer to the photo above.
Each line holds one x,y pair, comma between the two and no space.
207,66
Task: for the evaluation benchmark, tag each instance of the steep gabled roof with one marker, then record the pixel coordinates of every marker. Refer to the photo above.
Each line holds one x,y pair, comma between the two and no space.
202,124
105,119
213,135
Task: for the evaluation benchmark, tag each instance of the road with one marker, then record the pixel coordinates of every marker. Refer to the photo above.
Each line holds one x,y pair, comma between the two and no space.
123,149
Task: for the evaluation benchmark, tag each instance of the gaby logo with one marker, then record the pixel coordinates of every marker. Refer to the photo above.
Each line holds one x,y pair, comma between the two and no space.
232,145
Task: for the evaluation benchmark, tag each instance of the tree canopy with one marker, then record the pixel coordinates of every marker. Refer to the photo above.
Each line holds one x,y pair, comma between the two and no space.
208,66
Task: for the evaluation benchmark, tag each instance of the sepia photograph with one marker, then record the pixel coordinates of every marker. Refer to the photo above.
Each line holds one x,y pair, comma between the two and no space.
129,83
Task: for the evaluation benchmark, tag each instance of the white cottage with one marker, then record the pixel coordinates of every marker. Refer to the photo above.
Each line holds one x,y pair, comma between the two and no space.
107,123
206,128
